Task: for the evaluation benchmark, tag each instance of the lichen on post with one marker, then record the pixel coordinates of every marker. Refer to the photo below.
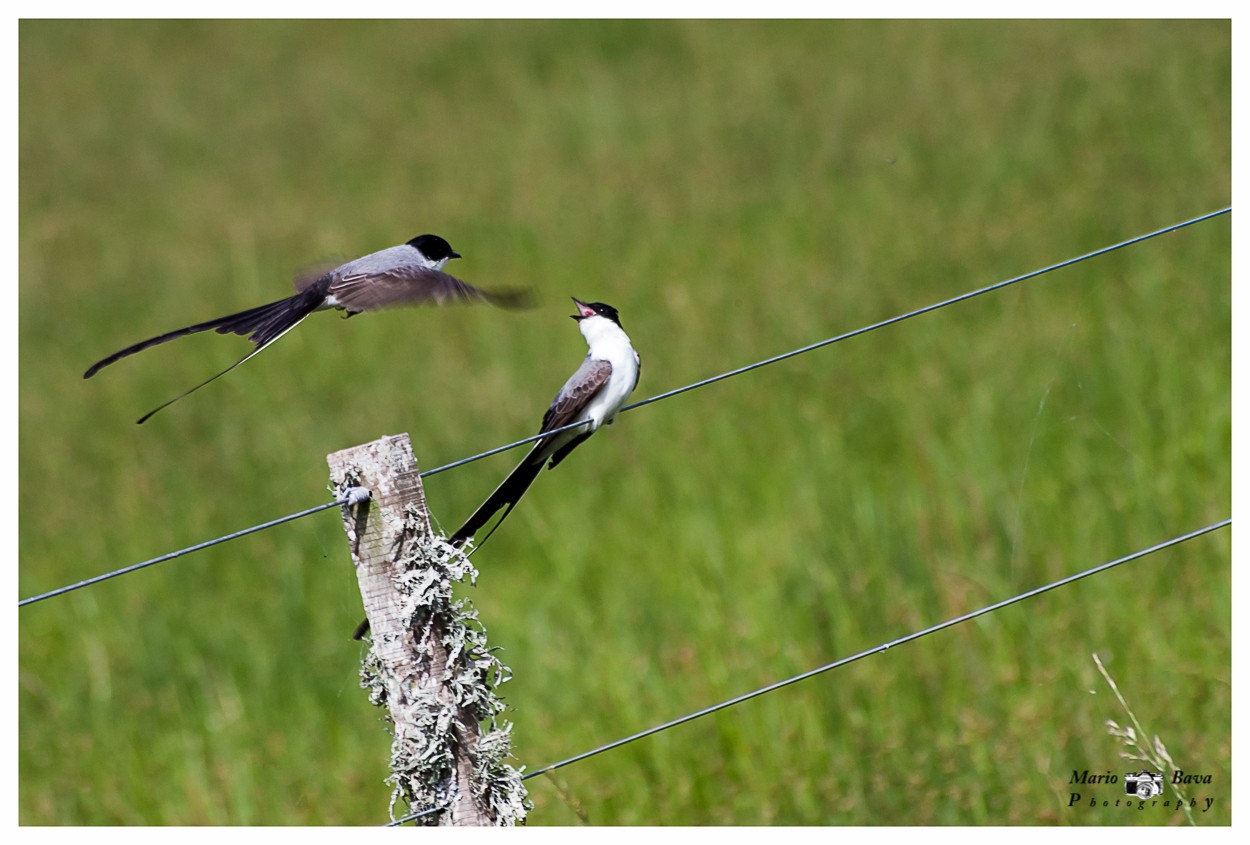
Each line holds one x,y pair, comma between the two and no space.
428,663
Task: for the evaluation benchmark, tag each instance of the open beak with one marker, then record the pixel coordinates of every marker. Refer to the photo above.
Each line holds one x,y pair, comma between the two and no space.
583,310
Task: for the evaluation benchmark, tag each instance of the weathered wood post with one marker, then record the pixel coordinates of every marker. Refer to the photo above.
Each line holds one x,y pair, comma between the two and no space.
428,662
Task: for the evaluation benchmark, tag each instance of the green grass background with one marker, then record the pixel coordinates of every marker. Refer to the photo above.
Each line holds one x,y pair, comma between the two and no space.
736,190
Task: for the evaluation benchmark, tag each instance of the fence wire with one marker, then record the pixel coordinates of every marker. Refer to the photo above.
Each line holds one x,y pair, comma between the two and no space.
661,396
715,708
354,496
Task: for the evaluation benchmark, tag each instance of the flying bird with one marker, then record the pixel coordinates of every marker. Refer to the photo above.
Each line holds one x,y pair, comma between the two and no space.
408,274
593,395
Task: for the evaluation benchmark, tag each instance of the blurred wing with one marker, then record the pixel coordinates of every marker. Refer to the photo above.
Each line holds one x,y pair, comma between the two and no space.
413,286
589,379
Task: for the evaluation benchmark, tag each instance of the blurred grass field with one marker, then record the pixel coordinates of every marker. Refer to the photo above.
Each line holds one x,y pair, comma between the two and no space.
736,190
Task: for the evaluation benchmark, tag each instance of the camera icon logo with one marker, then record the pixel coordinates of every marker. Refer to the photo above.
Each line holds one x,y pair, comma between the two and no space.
1143,784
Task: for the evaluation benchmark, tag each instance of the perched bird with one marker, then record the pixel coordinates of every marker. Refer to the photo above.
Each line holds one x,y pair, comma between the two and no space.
593,395
408,274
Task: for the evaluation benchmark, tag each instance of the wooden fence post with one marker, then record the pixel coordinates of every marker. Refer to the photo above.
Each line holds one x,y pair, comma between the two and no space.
428,662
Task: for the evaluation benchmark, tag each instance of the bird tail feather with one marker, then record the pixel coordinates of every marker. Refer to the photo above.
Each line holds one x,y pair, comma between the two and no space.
265,323
507,494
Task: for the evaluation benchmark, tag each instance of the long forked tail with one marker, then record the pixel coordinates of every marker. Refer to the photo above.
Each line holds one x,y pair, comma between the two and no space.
507,494
265,323
164,405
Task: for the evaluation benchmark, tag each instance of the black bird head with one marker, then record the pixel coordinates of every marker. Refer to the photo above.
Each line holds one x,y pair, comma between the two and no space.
591,309
433,247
